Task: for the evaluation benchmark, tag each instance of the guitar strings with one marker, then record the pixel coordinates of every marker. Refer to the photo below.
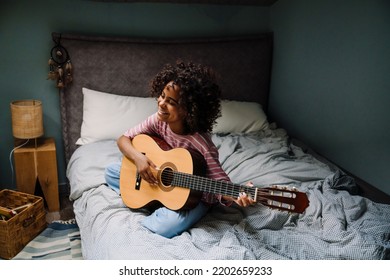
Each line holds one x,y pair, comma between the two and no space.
264,196
184,179
204,184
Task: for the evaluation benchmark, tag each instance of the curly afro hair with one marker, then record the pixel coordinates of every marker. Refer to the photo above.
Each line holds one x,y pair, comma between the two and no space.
199,93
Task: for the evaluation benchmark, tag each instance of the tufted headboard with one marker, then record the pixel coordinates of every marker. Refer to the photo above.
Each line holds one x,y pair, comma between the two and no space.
125,66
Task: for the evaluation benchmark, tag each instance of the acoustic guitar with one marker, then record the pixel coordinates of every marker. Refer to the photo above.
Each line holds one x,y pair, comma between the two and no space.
181,184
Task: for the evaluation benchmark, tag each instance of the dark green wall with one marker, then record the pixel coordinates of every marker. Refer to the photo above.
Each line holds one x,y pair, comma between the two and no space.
25,40
331,80
330,84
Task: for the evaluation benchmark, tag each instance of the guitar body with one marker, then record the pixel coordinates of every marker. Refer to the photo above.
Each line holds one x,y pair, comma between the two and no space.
137,193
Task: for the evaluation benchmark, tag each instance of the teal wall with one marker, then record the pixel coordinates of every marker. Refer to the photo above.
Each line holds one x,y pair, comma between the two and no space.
25,40
330,84
331,81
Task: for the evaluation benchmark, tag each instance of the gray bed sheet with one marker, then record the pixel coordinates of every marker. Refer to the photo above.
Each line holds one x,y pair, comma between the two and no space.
336,225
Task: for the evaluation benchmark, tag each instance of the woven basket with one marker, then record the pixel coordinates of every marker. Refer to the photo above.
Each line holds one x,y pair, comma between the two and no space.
17,231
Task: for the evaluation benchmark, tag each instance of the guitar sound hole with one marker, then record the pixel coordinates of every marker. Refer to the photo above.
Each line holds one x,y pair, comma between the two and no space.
167,177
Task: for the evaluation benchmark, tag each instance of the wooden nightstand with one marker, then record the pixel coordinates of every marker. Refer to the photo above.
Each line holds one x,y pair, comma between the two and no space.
39,162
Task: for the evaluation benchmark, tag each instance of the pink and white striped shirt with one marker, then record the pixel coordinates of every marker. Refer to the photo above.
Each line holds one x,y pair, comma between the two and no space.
200,142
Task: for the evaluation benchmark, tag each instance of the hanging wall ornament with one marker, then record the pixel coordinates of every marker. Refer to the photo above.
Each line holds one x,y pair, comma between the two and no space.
60,66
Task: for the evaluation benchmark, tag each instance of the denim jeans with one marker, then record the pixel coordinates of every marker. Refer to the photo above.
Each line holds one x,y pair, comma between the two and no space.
163,221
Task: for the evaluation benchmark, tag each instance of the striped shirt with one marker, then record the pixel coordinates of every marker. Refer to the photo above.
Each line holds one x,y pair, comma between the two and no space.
200,142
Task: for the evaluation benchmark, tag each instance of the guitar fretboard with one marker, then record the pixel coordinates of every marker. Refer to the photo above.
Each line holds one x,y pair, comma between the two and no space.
203,184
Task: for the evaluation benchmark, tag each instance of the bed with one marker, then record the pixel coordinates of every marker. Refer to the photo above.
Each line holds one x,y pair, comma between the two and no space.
109,93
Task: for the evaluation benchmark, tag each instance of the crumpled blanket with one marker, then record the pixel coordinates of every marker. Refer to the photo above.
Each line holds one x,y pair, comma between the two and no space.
337,224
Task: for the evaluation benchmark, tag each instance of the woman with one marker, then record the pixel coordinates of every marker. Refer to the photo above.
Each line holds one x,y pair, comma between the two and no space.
188,105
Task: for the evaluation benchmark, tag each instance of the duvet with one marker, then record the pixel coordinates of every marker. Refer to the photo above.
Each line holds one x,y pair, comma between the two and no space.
338,224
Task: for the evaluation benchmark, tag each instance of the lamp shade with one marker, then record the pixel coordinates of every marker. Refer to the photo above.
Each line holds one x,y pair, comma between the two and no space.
27,120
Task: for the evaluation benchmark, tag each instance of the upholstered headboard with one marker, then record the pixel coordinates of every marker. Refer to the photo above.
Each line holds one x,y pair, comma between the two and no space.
125,66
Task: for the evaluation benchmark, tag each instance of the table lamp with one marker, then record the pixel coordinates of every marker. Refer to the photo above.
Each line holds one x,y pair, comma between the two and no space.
27,120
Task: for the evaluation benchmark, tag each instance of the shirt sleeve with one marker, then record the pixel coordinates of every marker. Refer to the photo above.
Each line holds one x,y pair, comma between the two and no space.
148,126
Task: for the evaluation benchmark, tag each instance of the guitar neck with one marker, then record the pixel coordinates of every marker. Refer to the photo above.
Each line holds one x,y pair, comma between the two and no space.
203,184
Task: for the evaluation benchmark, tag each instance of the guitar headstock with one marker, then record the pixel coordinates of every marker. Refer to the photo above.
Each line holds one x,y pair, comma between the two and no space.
283,198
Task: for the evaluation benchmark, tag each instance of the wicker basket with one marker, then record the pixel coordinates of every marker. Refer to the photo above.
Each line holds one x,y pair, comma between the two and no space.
20,229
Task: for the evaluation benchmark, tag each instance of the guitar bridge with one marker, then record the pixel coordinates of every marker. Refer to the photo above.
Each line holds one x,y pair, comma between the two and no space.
138,181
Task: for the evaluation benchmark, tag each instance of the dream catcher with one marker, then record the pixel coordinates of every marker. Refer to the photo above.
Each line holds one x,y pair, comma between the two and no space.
60,67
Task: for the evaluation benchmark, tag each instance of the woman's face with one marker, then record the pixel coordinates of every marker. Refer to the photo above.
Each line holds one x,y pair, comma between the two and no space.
169,109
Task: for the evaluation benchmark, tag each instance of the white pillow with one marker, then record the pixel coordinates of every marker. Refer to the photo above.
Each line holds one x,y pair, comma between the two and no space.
240,117
108,116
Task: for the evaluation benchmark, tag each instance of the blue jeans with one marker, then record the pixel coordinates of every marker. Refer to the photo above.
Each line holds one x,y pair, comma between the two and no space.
163,221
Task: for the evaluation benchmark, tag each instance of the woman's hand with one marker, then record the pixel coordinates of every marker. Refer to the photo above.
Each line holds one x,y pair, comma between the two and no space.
145,168
144,165
243,199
